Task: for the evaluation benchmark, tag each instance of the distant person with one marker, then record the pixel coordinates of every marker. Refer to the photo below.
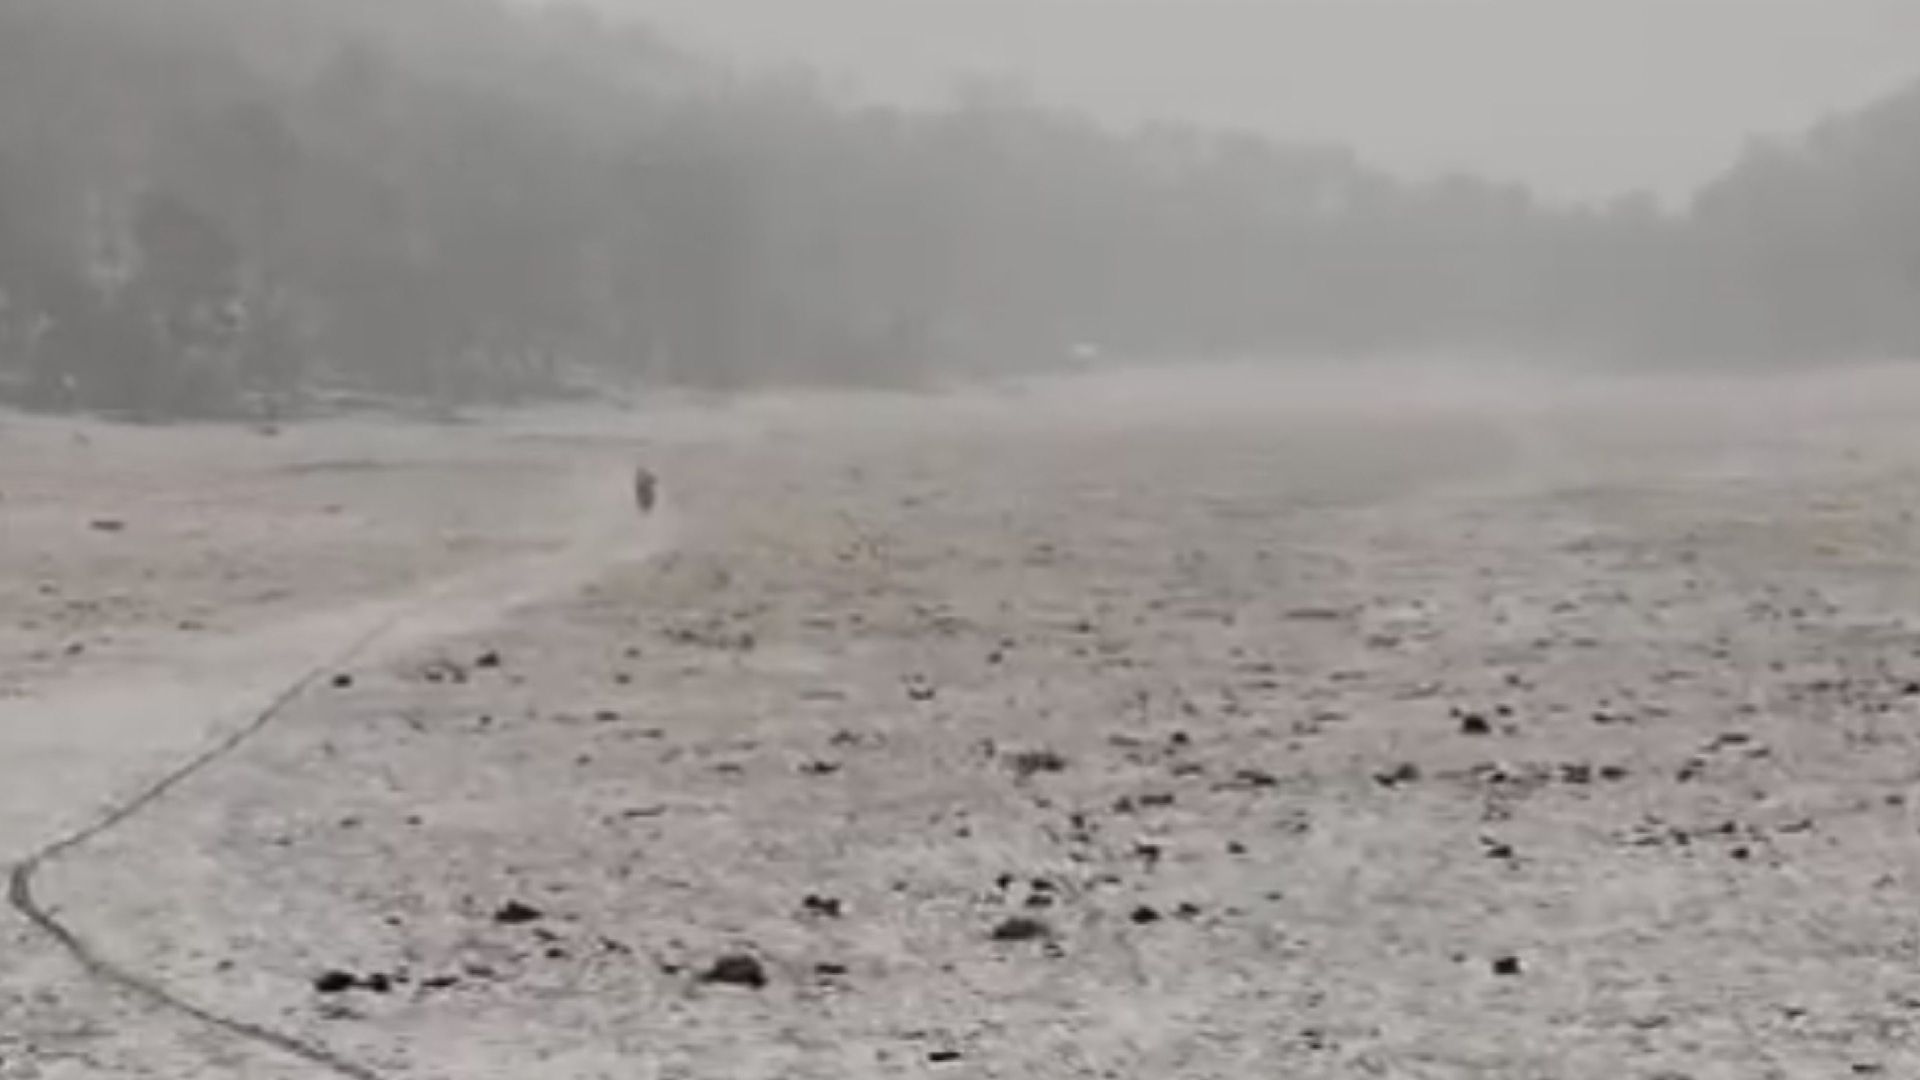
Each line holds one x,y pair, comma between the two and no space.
645,489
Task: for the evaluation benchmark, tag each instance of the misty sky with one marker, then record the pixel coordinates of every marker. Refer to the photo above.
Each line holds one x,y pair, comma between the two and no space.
1579,97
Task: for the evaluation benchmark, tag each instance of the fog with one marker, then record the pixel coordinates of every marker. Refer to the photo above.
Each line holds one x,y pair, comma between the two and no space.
883,538
217,207
1578,98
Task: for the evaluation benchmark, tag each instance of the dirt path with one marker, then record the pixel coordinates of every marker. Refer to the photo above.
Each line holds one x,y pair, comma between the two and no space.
76,759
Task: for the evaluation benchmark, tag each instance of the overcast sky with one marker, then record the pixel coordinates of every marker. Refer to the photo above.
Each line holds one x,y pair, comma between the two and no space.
1579,97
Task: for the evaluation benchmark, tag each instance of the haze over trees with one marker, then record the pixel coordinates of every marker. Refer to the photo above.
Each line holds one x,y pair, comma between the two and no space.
210,202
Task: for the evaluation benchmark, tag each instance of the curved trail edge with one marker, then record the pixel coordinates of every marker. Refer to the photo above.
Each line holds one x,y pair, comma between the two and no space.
22,898
20,893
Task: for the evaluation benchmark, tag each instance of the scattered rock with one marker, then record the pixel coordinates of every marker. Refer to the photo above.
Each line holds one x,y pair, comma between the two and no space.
825,907
1399,775
1022,928
515,913
1028,763
335,982
1251,779
737,969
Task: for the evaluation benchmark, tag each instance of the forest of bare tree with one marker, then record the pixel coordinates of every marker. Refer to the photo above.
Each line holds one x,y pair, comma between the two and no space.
210,204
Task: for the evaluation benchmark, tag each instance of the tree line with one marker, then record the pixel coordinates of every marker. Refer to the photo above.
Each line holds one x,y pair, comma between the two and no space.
205,203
